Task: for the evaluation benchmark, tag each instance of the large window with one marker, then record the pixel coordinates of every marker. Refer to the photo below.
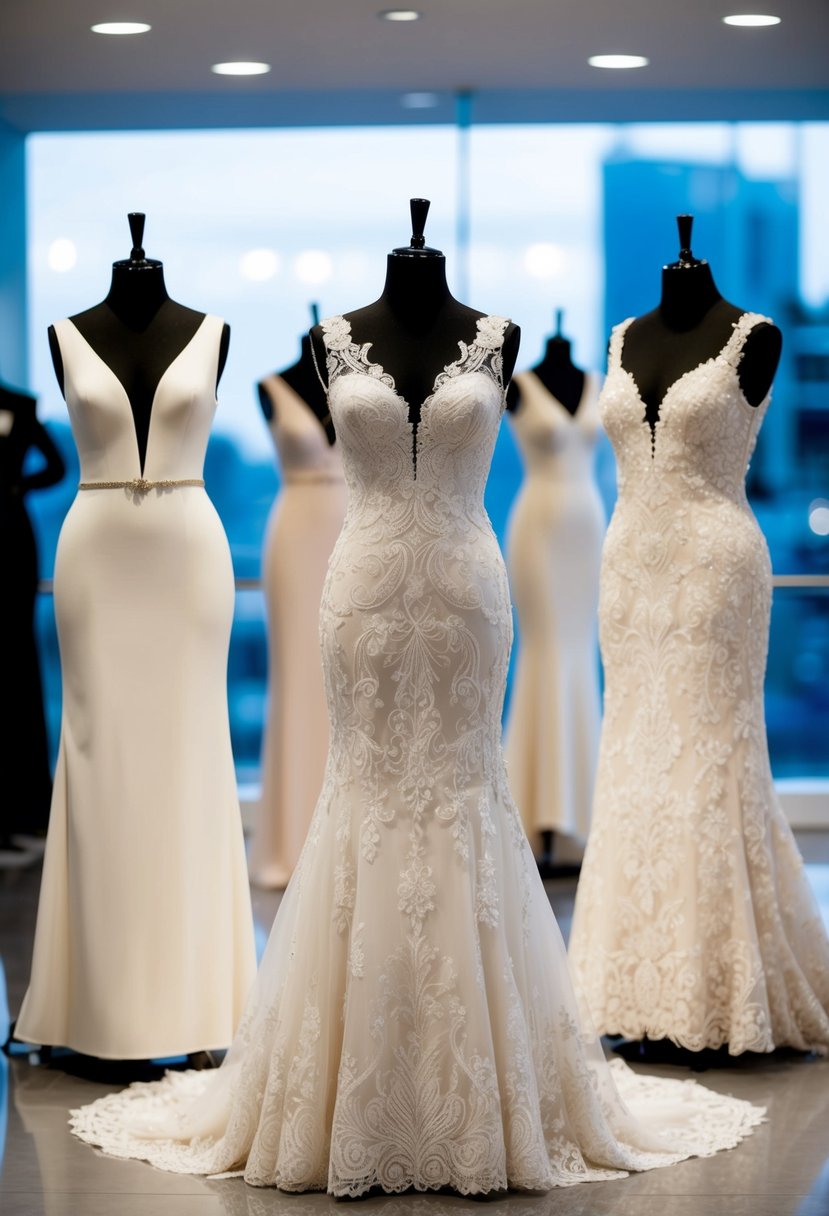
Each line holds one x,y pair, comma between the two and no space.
256,225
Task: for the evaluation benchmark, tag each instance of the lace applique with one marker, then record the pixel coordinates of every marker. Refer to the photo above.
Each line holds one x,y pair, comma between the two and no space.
412,1023
343,355
691,892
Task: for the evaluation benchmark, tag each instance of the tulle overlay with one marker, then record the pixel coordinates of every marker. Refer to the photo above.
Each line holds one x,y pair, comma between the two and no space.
413,1024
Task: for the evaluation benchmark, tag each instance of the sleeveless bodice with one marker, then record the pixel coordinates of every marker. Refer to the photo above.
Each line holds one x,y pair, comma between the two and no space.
444,463
102,419
302,446
706,431
412,1026
556,445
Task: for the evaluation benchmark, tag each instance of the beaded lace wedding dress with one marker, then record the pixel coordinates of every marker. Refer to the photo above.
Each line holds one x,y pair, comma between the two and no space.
694,920
413,1024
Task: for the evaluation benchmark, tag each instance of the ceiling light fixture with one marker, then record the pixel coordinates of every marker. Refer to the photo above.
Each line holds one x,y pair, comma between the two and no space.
399,14
618,61
241,67
751,19
121,27
62,255
419,101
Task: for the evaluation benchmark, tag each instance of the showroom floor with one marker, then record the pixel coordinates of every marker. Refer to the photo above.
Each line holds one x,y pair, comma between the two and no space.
782,1170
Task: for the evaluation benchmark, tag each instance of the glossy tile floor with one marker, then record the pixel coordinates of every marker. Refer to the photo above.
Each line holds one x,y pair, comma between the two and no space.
782,1170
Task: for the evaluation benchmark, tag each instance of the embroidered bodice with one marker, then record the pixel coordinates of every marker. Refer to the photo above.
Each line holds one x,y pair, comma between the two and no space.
706,430
450,452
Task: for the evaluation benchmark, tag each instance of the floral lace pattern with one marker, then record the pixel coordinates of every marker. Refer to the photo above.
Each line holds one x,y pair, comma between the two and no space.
693,918
412,1024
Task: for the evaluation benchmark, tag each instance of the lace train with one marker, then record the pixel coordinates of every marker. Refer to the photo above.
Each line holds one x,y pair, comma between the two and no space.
413,1022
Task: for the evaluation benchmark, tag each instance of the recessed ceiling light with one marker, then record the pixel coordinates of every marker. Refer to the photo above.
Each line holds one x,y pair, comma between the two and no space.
241,67
313,266
258,265
618,61
121,27
62,255
751,19
400,14
419,101
544,260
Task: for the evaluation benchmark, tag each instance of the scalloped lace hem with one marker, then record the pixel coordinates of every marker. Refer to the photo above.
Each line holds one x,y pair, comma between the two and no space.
692,1121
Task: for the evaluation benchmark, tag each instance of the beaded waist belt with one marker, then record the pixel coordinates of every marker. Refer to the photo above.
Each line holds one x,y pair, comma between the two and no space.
301,477
139,485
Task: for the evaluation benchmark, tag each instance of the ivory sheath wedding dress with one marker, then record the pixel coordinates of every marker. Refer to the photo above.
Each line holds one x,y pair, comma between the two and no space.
554,547
144,939
413,1024
305,522
694,920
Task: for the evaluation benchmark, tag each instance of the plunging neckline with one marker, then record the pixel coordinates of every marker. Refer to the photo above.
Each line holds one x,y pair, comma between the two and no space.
305,406
141,463
385,378
737,334
576,415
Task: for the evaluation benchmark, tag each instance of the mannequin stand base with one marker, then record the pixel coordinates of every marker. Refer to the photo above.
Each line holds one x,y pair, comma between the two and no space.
92,1067
664,1051
547,866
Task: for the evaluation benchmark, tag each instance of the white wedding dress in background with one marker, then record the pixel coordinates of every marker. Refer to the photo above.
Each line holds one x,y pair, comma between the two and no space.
694,920
413,1023
554,546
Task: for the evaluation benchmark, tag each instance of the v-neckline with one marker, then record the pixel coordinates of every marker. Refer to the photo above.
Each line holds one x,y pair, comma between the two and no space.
737,330
387,379
125,394
575,417
303,404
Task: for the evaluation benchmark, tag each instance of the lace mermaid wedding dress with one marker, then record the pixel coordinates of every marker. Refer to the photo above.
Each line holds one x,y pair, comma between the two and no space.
694,920
413,1024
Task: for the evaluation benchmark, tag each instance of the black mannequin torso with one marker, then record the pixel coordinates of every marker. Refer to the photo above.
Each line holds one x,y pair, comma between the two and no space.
137,331
416,324
25,432
691,326
303,379
414,329
557,372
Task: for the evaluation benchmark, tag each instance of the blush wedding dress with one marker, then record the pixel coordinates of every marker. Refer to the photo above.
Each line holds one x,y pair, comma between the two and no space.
305,521
413,1023
694,920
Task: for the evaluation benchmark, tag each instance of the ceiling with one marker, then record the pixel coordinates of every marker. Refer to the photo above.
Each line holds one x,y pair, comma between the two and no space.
333,60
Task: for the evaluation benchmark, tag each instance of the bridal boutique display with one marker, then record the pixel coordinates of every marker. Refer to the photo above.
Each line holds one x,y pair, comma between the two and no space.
305,522
553,552
694,920
144,942
25,779
413,1024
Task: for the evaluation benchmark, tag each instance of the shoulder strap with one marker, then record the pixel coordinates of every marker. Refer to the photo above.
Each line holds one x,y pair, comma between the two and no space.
485,353
617,343
734,348
343,355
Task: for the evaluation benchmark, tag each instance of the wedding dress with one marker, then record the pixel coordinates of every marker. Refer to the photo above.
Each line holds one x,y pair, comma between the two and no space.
305,522
554,549
144,938
413,1024
694,920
